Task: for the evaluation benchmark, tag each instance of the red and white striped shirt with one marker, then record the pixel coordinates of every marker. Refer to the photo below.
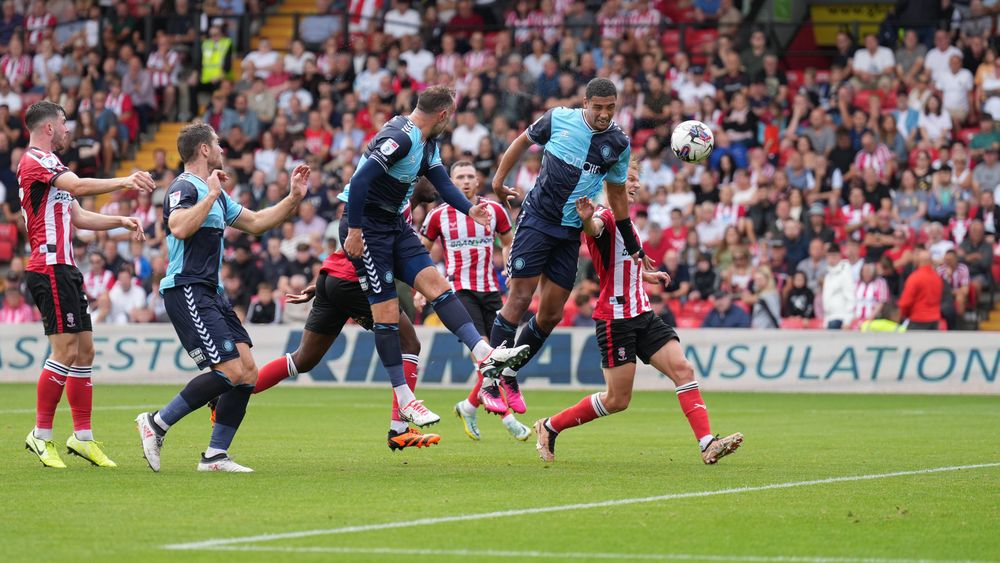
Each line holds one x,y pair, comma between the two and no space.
549,26
22,314
622,294
868,296
37,26
476,61
521,26
96,284
363,13
445,63
645,23
468,246
958,278
47,210
17,70
878,161
959,229
729,214
856,216
612,27
161,66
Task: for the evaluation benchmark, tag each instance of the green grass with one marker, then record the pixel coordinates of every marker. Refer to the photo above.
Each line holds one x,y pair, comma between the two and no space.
322,463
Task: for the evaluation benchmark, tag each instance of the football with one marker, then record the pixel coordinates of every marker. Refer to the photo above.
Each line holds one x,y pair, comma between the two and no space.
692,141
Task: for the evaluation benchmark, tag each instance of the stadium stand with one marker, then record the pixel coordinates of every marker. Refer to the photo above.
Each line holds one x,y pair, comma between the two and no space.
878,147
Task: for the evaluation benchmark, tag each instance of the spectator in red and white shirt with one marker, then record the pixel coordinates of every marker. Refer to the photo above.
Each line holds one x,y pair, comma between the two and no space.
729,213
478,59
15,66
956,279
519,20
162,62
444,63
853,215
958,226
39,24
14,309
546,22
870,294
875,156
99,279
644,19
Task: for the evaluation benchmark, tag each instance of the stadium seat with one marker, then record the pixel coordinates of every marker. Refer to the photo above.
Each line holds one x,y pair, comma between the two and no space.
794,323
8,241
671,41
695,42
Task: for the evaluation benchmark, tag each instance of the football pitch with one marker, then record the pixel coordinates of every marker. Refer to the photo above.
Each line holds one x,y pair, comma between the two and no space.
820,478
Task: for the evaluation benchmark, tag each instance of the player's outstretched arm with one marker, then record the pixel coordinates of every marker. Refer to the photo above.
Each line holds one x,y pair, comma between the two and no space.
83,219
258,222
508,161
453,196
81,187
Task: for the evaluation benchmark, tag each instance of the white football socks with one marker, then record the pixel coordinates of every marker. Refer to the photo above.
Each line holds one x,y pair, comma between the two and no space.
403,395
705,440
43,433
481,350
85,435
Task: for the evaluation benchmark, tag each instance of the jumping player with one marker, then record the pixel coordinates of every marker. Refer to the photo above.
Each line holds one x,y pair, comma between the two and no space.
584,149
383,246
468,259
196,212
48,190
626,328
340,295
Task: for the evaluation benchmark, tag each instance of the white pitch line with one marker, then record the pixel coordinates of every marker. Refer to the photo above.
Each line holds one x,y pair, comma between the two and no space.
560,508
482,554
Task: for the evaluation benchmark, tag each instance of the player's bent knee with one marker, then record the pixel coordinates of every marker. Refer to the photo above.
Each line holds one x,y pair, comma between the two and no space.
617,403
683,372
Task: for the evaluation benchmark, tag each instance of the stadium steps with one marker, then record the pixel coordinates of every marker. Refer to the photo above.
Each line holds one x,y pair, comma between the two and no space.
165,138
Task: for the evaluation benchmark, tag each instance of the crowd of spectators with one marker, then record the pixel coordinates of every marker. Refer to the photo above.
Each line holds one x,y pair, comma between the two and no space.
827,188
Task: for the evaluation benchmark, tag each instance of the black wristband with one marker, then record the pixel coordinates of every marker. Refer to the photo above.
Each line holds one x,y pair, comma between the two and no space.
628,236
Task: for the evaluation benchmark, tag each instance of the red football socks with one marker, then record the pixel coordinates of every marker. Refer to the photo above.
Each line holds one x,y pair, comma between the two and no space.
694,409
275,371
80,393
589,408
50,390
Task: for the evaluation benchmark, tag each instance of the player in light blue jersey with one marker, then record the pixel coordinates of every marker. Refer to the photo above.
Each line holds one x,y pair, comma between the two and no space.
196,213
585,150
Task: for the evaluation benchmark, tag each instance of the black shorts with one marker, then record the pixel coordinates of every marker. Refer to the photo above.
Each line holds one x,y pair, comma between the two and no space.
336,301
205,322
482,307
621,340
58,292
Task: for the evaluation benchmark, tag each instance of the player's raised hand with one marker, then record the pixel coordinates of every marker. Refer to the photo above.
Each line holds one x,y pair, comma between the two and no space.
354,244
215,181
480,214
304,297
133,224
505,193
141,181
300,181
645,261
585,208
655,277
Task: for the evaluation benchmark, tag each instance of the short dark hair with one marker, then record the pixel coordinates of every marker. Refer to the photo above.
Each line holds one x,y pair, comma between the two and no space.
191,137
460,163
601,88
40,112
435,99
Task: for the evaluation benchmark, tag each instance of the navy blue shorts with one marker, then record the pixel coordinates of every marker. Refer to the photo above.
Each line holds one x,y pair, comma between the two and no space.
205,323
535,252
392,250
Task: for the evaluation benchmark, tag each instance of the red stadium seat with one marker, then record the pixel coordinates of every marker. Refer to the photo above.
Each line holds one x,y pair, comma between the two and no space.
675,307
815,323
695,42
794,323
965,135
671,41
641,136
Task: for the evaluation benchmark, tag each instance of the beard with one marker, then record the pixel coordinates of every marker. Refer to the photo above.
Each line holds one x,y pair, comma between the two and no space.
60,142
215,163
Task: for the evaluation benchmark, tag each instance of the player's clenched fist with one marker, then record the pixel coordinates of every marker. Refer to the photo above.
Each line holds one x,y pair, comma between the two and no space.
141,181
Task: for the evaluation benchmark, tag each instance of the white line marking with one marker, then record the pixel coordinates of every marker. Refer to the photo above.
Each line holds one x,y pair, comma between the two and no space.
560,508
482,554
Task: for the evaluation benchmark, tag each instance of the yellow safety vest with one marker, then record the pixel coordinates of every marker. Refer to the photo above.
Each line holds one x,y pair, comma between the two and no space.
213,59
882,325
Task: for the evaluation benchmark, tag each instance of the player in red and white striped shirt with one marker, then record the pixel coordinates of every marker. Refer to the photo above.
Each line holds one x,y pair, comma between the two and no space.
626,329
50,212
468,259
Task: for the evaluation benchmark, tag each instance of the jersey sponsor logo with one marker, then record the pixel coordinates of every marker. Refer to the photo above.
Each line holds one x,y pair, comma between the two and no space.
61,196
470,242
388,147
587,167
175,198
